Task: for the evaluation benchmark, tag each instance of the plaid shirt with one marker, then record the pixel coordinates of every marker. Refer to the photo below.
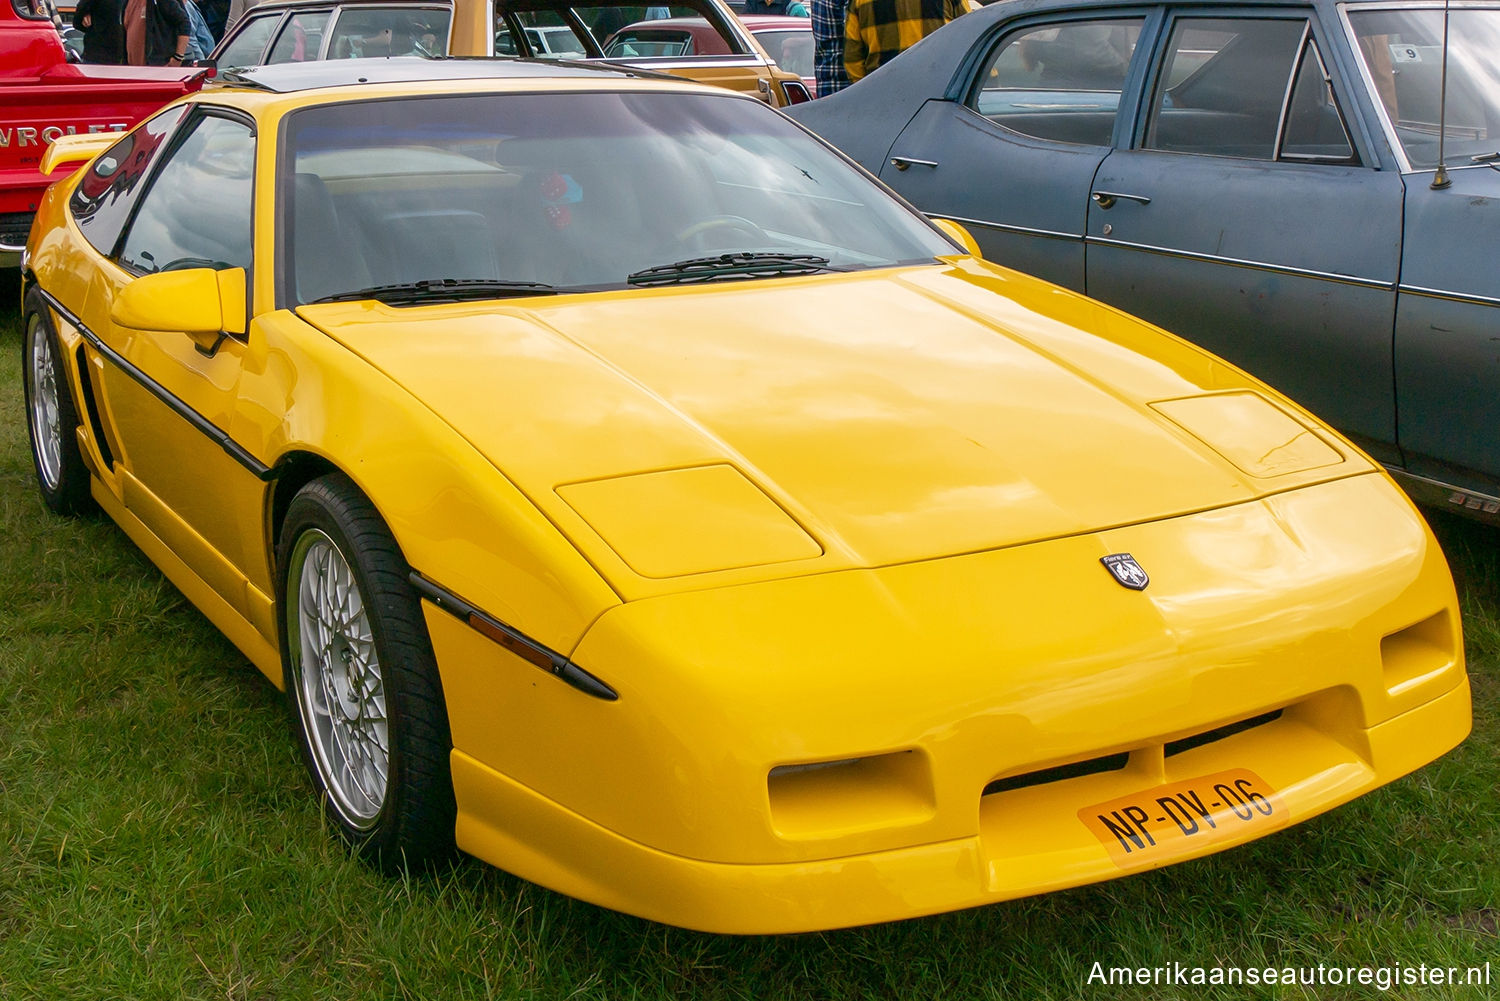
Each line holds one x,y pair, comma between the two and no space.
876,31
828,45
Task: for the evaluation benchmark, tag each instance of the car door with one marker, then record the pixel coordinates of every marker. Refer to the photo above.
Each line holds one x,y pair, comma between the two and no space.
1248,216
166,395
1011,153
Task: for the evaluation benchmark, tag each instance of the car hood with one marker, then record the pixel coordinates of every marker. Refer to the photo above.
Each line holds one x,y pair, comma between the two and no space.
754,429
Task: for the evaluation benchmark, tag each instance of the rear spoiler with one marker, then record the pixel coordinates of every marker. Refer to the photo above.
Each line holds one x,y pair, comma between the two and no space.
76,149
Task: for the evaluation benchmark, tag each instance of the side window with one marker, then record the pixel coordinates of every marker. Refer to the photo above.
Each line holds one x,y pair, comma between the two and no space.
197,213
301,39
246,47
1314,128
389,31
102,201
1059,81
1245,87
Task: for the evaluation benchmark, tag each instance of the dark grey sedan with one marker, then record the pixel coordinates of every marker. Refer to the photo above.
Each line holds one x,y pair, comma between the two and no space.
1257,177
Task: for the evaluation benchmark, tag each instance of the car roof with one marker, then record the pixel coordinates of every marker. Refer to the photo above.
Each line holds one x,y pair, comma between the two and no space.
279,4
780,22
286,78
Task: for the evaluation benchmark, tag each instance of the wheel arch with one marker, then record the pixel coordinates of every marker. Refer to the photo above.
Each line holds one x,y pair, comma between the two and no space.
294,471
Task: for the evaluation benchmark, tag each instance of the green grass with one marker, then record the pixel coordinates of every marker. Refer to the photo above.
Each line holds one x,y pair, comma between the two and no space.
158,840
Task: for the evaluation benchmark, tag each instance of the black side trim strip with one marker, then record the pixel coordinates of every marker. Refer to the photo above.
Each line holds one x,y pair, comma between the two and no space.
515,641
233,449
95,422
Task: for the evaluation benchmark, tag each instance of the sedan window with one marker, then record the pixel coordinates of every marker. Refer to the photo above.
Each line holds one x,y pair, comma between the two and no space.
390,31
602,27
197,211
1246,87
244,48
1059,81
1403,52
302,38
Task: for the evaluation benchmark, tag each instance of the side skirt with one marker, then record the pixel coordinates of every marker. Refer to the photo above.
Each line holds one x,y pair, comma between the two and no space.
228,621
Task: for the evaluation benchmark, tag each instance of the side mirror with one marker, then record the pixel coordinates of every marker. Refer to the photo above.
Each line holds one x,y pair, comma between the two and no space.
76,149
201,302
965,239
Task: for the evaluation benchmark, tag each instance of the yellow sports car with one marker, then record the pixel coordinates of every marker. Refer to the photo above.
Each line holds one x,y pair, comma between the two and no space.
629,490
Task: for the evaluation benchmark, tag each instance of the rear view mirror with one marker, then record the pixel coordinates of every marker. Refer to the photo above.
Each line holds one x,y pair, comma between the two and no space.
200,302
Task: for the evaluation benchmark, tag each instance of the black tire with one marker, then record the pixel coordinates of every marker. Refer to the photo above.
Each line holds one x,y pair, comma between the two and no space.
385,667
51,415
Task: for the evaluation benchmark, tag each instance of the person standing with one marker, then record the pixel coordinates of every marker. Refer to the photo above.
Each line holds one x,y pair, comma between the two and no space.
877,31
216,16
156,33
103,32
828,18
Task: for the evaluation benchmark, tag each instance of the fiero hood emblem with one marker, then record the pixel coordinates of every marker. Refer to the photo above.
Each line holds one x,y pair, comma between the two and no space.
1126,570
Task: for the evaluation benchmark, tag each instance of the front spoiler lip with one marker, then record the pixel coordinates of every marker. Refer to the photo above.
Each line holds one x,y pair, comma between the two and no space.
514,827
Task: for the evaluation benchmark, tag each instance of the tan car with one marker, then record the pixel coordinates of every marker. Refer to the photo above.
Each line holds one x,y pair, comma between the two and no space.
310,30
574,29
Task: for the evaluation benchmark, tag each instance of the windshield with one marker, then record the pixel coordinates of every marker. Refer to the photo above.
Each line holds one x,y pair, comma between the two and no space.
573,191
1403,50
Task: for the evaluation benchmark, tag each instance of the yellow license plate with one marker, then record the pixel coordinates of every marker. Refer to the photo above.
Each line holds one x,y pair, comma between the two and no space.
1178,819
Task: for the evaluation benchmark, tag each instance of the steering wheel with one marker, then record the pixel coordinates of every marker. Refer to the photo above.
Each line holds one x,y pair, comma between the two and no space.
700,235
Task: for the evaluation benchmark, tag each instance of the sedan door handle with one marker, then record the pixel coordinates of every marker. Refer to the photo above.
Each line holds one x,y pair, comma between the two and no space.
902,162
1104,199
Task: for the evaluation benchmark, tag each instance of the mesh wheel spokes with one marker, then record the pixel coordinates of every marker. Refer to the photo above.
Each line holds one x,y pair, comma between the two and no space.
46,420
340,687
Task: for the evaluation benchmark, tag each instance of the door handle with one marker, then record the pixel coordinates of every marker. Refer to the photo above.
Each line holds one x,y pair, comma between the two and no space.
1105,199
903,162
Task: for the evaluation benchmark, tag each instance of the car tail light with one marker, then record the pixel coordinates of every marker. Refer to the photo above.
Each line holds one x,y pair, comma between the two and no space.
796,93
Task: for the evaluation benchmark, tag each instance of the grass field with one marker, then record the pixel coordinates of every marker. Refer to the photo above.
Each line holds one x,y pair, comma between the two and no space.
158,840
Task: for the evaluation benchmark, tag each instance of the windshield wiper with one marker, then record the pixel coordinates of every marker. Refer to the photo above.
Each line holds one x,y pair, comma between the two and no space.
442,290
728,266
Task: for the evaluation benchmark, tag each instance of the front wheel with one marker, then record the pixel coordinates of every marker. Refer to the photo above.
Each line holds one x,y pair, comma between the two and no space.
51,417
361,680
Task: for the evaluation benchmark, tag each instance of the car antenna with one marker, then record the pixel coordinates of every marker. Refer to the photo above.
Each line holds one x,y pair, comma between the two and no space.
1441,179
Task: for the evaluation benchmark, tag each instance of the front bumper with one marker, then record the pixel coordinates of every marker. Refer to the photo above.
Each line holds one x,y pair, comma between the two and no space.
1029,841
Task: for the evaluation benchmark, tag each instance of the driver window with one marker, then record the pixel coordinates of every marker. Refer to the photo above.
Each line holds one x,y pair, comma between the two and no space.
1224,91
198,210
1059,81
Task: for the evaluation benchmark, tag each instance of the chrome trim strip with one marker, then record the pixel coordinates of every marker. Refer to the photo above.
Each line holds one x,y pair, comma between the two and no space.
1280,269
213,432
675,63
11,248
1006,227
1437,293
512,639
1447,497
